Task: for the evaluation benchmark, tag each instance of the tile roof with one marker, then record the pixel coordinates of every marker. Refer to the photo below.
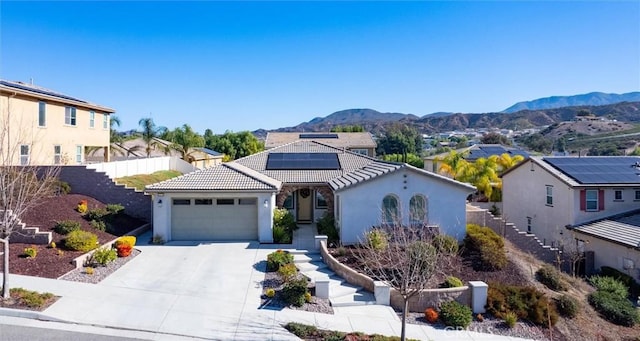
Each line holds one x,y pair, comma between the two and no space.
484,150
209,151
224,177
621,229
344,140
250,173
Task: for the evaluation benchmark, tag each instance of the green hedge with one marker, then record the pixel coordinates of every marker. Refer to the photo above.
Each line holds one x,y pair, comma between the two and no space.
614,308
634,287
488,246
81,241
454,314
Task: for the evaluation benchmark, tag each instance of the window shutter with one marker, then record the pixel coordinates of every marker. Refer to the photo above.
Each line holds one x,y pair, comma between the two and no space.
601,200
583,200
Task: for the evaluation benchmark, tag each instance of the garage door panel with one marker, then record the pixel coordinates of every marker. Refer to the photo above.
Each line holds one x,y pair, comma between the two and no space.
214,222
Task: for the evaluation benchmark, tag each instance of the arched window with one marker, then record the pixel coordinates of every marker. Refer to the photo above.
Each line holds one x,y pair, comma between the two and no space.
418,209
390,209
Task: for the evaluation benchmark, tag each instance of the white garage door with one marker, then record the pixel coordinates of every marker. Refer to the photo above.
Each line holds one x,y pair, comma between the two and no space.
214,219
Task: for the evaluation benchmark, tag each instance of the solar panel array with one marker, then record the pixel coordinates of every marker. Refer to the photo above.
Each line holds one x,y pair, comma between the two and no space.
300,161
40,91
599,170
318,136
486,151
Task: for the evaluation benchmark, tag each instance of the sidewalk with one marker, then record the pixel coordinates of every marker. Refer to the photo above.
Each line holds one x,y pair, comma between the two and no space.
167,312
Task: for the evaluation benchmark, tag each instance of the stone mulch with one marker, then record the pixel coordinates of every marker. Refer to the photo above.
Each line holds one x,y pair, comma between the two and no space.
99,272
272,280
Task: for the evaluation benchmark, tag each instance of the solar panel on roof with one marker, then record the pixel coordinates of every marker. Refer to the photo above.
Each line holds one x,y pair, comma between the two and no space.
598,170
40,91
301,161
318,136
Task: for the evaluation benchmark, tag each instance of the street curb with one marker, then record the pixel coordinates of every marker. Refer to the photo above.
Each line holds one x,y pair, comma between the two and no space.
30,314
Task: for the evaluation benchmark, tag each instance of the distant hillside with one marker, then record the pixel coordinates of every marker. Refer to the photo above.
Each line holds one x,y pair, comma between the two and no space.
593,98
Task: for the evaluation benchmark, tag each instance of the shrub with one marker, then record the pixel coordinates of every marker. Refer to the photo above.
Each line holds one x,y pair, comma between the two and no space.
293,292
81,241
551,278
96,214
301,330
454,314
114,208
62,187
129,240
526,302
82,206
270,292
89,270
277,259
327,226
98,225
103,256
431,315
567,306
124,250
446,244
614,308
281,235
66,226
32,299
341,251
633,286
377,239
53,245
510,319
452,282
283,218
157,239
488,246
307,297
609,284
31,252
288,271
480,318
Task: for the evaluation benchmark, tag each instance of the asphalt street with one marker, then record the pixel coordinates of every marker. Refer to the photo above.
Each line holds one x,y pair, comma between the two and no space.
10,332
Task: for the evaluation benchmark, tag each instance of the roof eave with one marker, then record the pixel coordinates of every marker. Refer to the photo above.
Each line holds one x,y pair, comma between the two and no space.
57,99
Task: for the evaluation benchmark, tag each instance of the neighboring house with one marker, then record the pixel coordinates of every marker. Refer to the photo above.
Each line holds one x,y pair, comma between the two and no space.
49,128
136,149
361,143
614,241
235,200
472,153
544,196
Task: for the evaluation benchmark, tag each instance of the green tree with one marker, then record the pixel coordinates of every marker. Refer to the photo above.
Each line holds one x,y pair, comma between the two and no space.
347,129
453,164
400,139
495,138
184,140
234,145
412,159
150,132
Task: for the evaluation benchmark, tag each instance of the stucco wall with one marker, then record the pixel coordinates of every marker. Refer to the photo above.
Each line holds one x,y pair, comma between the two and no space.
612,255
361,205
611,206
23,121
162,211
118,169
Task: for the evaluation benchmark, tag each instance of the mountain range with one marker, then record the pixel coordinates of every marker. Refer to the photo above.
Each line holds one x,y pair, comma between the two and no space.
539,112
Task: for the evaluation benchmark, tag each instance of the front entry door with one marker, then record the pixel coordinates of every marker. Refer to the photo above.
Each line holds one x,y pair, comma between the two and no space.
305,205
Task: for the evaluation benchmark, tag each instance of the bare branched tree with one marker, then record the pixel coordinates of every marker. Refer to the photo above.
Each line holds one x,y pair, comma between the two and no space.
404,257
22,185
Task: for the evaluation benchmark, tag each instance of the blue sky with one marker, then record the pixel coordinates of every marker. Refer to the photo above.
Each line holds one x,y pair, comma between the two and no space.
248,65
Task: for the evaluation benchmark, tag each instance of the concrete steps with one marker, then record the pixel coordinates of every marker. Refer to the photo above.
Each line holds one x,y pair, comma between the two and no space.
29,234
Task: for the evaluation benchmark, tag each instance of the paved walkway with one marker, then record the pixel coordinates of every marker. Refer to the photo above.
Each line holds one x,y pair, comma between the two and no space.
157,299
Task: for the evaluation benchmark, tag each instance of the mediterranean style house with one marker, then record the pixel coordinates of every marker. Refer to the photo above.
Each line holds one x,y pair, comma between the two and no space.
235,200
44,127
549,196
361,143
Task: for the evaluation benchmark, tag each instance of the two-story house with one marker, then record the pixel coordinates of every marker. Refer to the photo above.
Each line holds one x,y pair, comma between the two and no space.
43,127
547,196
360,142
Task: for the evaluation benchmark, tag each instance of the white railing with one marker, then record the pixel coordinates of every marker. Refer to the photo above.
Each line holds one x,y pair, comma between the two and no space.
118,169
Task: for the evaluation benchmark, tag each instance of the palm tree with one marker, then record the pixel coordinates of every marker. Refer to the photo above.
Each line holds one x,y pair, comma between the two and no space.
184,140
454,165
115,142
506,161
150,133
484,175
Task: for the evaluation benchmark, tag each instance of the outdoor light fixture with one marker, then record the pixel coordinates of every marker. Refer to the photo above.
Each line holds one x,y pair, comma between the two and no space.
266,203
159,202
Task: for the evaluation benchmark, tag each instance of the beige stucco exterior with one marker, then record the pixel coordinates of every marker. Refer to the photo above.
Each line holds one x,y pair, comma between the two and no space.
21,126
606,253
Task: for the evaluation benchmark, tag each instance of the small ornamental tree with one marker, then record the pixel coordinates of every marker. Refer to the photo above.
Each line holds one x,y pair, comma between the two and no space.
407,262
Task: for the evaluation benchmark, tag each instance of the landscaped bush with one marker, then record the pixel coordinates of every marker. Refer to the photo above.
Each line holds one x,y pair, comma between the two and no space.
567,306
281,235
81,241
31,252
114,208
634,287
431,315
377,239
446,244
62,187
288,272
609,284
98,225
614,308
96,214
277,259
327,227
454,314
487,245
294,291
66,226
452,282
526,302
270,292
82,206
551,277
129,240
301,330
103,256
124,250
510,319
32,299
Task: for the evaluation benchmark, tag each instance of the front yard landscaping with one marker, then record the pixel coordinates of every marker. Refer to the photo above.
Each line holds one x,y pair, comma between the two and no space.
28,300
54,260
